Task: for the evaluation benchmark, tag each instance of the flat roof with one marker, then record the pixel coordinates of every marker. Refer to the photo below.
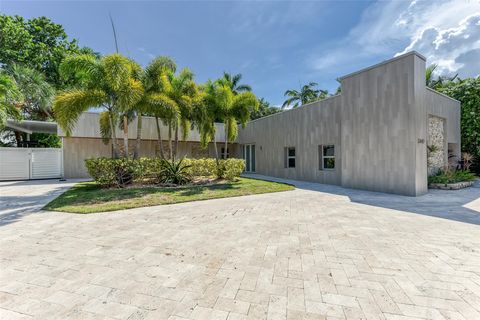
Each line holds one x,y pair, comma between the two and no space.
31,126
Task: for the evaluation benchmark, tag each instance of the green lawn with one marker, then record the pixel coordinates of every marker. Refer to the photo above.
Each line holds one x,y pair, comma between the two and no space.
87,197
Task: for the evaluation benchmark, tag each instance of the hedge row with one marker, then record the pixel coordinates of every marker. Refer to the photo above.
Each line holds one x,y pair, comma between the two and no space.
121,172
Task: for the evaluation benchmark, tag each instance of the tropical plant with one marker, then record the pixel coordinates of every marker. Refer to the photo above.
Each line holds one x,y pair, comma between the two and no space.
230,108
36,91
233,82
448,175
182,94
439,81
155,102
307,94
264,109
175,172
109,83
10,95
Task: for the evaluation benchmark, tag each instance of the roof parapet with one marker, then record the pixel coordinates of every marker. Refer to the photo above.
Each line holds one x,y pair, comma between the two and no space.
383,63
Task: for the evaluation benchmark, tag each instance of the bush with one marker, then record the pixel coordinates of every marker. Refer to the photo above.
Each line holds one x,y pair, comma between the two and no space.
113,172
231,168
451,176
121,172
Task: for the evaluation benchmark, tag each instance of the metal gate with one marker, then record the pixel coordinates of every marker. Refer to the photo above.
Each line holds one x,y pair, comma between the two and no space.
30,163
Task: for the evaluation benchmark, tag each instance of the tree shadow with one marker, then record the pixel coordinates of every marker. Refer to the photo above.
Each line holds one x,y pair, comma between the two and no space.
458,205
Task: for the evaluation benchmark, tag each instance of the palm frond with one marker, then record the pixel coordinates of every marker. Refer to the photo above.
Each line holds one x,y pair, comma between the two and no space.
69,105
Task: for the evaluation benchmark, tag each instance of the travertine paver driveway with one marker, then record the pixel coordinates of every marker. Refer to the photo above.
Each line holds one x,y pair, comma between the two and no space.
318,252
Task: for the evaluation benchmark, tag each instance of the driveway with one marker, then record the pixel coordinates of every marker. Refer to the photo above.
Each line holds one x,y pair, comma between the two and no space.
19,198
318,252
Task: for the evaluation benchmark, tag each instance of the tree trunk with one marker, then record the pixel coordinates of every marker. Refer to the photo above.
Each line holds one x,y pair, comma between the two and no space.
170,139
136,153
18,137
114,137
160,142
226,141
175,148
215,148
125,135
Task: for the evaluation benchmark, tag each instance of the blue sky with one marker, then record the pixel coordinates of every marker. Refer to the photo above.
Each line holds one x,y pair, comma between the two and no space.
276,45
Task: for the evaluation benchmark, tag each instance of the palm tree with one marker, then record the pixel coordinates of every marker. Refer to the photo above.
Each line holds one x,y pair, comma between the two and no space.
233,81
109,83
37,92
10,96
307,94
440,81
155,102
183,92
231,108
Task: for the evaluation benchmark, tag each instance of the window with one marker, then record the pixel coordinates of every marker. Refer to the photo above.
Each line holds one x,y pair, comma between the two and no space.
223,153
290,157
327,157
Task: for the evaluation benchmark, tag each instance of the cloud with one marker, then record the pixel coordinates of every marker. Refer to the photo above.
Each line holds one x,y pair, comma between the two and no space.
454,50
447,32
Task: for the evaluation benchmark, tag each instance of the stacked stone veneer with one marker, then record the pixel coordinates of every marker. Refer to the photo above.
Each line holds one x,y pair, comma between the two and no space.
436,139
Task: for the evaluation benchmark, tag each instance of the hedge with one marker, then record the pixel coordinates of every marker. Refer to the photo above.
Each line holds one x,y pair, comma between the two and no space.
121,172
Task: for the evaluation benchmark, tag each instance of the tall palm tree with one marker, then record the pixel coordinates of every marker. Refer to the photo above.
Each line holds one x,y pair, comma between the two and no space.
108,83
231,108
233,82
296,98
10,96
155,102
182,90
37,92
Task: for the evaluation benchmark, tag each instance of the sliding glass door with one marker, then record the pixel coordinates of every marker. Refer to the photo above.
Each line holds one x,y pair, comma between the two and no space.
249,156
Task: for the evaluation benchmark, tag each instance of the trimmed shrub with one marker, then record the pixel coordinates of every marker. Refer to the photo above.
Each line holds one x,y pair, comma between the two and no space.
122,172
231,168
113,172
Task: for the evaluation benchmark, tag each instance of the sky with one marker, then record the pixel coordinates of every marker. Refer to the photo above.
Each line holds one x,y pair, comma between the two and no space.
275,45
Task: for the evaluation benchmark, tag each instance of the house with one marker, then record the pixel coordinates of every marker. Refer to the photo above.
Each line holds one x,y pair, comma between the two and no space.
375,135
386,131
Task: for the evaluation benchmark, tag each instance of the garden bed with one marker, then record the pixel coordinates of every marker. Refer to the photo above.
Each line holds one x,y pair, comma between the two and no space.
451,186
89,197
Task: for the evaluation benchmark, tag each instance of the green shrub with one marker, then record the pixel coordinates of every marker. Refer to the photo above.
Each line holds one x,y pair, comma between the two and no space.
231,168
113,172
205,167
122,172
451,176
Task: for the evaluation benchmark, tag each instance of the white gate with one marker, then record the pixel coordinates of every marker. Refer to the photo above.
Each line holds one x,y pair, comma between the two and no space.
30,163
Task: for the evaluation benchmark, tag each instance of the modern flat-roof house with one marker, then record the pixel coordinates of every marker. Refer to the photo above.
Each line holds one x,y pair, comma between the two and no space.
384,132
374,135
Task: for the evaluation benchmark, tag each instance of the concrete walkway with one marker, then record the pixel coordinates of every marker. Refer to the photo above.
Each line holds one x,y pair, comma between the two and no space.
317,252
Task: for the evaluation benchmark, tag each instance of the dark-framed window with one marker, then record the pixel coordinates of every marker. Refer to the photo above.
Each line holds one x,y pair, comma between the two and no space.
290,156
326,157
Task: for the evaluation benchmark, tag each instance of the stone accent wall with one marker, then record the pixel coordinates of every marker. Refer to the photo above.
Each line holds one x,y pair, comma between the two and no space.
435,144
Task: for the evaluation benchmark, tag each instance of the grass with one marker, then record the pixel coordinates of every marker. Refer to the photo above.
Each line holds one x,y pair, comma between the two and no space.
88,197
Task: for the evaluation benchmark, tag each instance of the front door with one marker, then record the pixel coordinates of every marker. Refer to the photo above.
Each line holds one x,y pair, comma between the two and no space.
249,156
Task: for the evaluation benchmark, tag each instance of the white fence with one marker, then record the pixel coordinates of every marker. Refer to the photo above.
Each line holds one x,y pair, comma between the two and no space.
30,163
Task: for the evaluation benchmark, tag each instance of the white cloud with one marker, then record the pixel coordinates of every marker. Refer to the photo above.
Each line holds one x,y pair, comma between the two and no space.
455,50
447,32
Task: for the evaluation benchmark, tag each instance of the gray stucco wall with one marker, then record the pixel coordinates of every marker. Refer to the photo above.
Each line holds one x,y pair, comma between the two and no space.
378,126
305,129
